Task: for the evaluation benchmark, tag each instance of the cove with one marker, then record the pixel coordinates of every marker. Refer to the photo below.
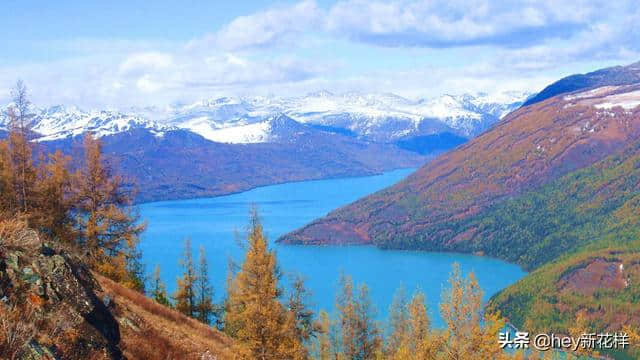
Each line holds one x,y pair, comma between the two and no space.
217,223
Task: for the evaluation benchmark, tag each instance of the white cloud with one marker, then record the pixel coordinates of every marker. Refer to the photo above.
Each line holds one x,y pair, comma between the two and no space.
302,47
450,23
146,61
264,28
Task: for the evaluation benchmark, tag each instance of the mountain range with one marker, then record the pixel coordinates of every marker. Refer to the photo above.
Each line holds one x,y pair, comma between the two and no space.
377,117
226,145
553,187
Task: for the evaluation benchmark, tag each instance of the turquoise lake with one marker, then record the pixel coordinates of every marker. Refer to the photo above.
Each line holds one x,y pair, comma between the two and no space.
216,223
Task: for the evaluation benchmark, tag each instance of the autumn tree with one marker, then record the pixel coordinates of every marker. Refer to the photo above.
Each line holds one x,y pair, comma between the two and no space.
158,289
54,200
204,291
398,325
325,347
361,338
254,315
7,191
40,193
582,326
468,334
185,296
108,229
20,149
422,342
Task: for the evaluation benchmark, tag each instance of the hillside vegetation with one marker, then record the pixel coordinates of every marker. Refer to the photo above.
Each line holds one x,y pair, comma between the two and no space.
529,148
554,187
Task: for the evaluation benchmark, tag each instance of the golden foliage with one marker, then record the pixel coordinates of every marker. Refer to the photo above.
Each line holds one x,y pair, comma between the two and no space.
254,316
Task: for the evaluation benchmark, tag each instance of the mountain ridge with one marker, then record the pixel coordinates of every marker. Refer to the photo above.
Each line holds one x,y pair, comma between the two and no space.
527,148
612,76
378,117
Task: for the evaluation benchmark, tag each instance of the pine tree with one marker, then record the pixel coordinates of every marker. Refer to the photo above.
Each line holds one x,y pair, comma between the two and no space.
298,304
254,316
301,325
158,289
204,290
185,296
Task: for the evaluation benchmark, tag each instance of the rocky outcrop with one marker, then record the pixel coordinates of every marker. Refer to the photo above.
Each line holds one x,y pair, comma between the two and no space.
53,293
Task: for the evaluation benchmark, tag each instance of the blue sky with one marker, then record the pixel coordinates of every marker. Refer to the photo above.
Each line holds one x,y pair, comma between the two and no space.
136,53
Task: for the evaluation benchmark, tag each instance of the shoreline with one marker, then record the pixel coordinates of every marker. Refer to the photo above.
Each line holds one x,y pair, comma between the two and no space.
277,183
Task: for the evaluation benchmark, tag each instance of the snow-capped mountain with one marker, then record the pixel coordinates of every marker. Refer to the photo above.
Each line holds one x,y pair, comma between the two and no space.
379,117
59,122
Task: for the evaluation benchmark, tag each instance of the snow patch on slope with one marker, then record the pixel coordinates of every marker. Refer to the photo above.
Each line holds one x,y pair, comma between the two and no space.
627,101
241,134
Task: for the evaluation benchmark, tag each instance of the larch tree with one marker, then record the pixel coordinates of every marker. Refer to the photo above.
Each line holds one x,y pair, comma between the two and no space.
8,203
398,339
323,347
582,325
158,289
422,342
54,199
361,338
468,334
185,296
107,227
20,148
254,315
204,291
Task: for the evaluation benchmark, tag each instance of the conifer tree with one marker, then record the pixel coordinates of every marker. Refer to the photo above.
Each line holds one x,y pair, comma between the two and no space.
298,304
422,342
466,337
398,323
107,227
158,289
204,290
579,327
20,148
254,316
324,349
301,322
346,304
8,203
54,202
361,338
185,296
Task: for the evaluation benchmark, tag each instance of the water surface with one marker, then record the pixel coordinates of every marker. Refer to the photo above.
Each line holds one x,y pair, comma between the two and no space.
217,224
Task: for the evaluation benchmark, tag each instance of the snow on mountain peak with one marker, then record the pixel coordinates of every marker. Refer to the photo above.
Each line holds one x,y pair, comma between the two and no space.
59,122
379,116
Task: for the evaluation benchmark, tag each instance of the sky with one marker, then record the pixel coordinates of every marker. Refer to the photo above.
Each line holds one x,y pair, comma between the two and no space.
124,53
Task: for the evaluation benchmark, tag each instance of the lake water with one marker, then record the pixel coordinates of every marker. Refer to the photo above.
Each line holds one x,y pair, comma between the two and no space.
216,223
